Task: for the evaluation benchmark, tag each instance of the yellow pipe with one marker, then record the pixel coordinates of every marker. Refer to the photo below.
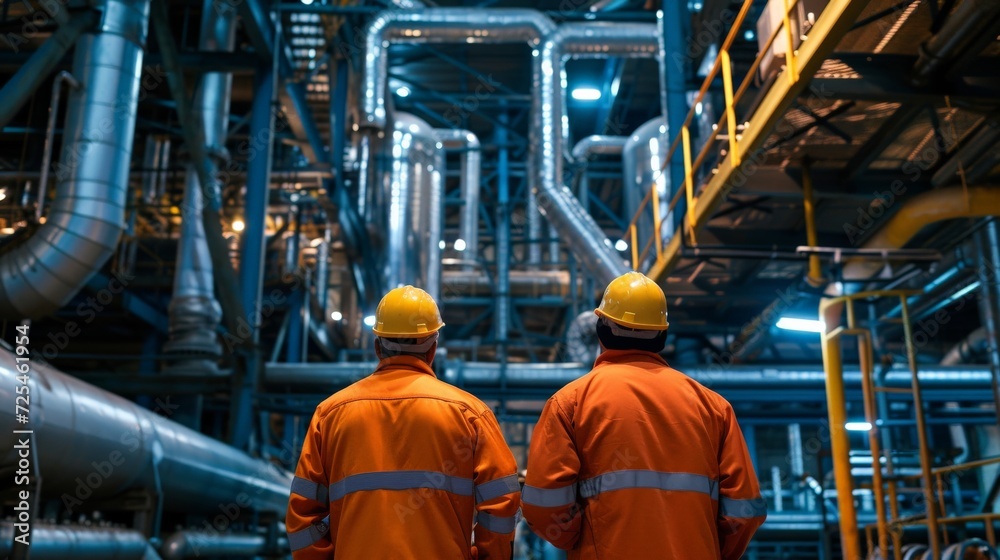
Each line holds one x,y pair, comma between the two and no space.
920,211
815,277
830,310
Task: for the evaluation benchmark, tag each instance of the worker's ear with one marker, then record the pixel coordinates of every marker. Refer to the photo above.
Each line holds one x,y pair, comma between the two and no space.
378,349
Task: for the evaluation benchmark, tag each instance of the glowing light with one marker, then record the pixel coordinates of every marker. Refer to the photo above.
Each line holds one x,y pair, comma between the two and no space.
858,426
370,320
307,2
749,35
586,94
805,325
403,91
621,245
238,225
442,244
459,244
336,315
3,194
698,108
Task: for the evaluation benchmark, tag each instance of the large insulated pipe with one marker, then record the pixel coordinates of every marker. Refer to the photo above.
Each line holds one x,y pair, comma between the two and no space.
92,444
961,31
407,257
29,77
585,238
452,25
87,216
440,25
468,144
643,157
197,544
55,542
596,144
194,311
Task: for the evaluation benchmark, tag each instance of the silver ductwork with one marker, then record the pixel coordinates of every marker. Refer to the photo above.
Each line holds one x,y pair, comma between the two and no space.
448,25
586,239
58,542
194,311
411,192
598,144
468,144
155,165
643,159
92,444
197,544
87,216
522,283
440,25
582,344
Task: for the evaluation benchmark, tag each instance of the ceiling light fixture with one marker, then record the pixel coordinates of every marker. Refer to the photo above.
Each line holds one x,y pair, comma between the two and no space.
804,325
586,94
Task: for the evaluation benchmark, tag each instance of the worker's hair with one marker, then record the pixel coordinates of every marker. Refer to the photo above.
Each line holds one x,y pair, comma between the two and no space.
614,342
393,352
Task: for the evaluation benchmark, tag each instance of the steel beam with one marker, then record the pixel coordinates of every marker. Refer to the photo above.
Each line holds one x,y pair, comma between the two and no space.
40,66
878,142
836,20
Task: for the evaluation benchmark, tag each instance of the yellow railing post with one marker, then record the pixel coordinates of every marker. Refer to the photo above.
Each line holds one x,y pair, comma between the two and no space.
688,179
727,85
657,236
790,55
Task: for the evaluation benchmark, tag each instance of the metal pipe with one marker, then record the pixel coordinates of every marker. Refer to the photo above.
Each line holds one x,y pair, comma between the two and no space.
815,276
29,77
86,219
963,29
521,283
971,349
410,201
988,245
830,311
534,219
50,132
642,162
796,461
573,40
501,313
434,229
57,542
440,25
196,544
93,444
598,144
468,144
555,375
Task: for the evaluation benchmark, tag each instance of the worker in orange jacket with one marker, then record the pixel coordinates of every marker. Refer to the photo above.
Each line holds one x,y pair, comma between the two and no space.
398,464
636,460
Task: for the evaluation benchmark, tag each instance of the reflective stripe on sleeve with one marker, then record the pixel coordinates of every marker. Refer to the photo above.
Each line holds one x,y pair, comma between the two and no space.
548,497
496,488
309,536
495,524
400,480
309,490
679,482
730,507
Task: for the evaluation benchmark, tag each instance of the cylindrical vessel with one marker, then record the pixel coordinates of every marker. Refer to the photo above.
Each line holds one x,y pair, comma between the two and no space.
643,159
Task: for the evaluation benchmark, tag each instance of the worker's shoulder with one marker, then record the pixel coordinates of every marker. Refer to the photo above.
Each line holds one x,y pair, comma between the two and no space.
705,392
426,387
447,391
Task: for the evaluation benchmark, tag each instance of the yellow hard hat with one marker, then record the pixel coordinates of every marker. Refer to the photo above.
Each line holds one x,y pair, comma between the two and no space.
632,300
407,312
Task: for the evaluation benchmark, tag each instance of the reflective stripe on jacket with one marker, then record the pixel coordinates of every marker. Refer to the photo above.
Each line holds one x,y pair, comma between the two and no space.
398,465
637,460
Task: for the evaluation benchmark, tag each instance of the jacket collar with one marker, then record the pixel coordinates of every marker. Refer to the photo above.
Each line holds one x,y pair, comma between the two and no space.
404,362
625,356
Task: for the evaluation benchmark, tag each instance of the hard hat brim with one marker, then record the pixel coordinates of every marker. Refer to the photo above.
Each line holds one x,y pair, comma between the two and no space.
630,324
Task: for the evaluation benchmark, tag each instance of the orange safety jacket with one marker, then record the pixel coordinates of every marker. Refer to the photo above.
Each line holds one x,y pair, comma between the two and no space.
396,466
637,460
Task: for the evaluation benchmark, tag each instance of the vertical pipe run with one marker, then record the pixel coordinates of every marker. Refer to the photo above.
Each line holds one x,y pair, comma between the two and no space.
673,80
988,249
502,254
830,310
815,276
796,461
50,132
776,488
925,453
